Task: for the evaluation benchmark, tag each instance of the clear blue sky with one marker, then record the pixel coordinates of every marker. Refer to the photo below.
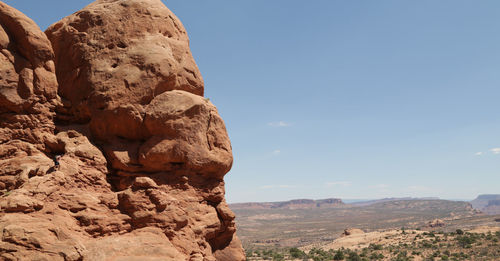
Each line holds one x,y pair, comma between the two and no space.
349,99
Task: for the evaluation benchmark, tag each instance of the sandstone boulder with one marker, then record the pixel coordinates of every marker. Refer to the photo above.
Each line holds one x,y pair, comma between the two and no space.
28,98
352,231
436,223
120,52
28,84
142,153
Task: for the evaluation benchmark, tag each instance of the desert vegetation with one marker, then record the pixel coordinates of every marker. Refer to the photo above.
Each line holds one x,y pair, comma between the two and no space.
415,245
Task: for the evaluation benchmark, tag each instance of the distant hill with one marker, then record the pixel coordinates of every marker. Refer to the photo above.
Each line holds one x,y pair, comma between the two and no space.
489,204
375,201
429,205
493,207
320,203
291,204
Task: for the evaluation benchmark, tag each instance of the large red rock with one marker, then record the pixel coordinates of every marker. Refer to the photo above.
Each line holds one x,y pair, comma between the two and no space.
28,85
28,97
121,52
143,153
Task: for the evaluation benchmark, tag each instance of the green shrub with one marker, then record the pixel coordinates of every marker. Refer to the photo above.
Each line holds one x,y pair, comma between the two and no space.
320,254
297,253
339,255
465,240
278,257
376,246
248,253
426,244
353,256
376,256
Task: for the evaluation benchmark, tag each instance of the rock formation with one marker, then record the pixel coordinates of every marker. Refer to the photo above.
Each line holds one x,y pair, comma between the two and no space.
351,231
436,223
115,91
489,204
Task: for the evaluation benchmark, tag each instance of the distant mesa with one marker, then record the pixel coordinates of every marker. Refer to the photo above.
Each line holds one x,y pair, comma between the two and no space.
331,203
376,201
488,204
495,202
291,204
482,200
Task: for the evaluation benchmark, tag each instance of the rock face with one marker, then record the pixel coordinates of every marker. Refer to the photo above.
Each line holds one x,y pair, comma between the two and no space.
28,98
115,91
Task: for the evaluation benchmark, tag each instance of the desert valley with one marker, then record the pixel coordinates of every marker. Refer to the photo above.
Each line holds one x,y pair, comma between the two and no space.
386,229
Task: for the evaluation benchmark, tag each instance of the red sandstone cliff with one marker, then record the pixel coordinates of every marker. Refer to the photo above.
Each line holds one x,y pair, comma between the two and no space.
115,90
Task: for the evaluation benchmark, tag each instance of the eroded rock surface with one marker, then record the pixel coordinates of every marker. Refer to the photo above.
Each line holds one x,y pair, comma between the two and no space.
115,90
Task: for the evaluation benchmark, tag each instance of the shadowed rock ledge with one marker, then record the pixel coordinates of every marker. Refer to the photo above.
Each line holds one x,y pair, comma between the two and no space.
114,89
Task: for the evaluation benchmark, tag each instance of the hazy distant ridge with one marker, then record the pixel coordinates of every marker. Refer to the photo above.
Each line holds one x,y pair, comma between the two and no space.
375,201
320,203
489,203
291,204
